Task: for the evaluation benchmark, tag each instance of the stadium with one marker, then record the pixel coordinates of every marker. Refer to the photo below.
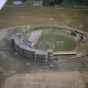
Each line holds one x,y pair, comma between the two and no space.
45,41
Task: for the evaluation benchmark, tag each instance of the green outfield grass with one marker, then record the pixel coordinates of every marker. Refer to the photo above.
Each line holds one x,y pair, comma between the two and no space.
55,41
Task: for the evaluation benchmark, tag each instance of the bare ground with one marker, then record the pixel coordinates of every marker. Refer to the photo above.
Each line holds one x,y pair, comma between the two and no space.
46,80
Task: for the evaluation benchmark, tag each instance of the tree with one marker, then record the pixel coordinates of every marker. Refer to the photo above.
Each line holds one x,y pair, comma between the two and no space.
58,2
48,2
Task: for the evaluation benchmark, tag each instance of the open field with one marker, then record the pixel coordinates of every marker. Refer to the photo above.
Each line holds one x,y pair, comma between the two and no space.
12,16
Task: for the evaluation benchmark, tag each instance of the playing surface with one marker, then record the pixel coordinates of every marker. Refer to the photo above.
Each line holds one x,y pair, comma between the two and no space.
55,40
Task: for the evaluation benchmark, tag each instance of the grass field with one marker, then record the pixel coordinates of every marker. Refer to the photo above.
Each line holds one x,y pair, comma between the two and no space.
15,16
56,41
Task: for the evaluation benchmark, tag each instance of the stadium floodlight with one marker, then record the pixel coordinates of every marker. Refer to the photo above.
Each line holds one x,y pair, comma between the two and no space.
2,3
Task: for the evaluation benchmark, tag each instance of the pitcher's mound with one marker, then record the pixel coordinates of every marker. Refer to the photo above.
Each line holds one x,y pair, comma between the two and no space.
46,80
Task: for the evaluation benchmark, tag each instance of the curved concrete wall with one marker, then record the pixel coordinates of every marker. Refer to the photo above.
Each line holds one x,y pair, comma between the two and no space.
20,48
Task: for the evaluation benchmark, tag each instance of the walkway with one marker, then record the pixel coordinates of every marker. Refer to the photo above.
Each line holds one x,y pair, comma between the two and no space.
65,53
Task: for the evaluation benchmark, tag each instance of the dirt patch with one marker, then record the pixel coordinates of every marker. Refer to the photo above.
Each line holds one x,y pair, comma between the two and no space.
46,80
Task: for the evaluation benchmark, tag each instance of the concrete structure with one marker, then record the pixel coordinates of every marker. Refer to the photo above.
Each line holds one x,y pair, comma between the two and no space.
21,47
24,46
